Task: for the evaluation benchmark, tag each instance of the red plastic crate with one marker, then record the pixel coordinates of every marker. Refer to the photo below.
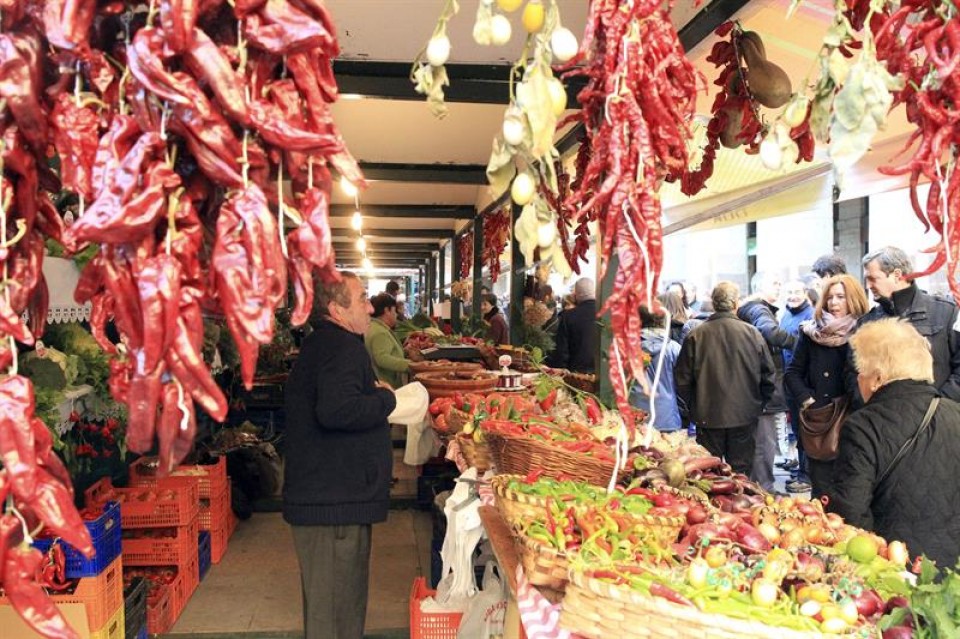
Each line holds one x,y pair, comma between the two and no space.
185,585
430,625
163,551
215,510
100,595
178,509
160,612
211,478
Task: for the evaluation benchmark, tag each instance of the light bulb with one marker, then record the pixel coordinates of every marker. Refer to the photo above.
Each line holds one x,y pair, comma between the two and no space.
348,187
356,221
361,244
367,264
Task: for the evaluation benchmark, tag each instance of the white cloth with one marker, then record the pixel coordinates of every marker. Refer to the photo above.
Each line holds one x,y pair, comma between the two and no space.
411,411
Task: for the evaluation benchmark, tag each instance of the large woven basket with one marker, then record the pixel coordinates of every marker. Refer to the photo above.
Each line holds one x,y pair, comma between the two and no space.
543,565
520,455
599,610
518,507
477,454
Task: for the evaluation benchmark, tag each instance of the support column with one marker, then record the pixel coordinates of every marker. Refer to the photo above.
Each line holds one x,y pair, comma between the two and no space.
477,262
431,284
604,289
454,276
442,273
518,273
851,224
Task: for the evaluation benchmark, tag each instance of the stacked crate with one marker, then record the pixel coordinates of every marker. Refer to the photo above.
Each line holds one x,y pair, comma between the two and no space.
99,586
160,519
216,514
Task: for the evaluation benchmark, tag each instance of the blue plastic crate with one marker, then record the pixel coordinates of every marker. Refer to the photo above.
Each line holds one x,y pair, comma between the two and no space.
107,543
203,550
142,634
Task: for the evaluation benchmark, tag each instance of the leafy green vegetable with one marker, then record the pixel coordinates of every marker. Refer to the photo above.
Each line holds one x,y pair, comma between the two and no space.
935,605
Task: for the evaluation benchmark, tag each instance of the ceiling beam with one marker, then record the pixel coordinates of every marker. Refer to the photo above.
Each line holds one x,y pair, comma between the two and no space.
432,211
345,253
476,83
433,173
390,246
409,233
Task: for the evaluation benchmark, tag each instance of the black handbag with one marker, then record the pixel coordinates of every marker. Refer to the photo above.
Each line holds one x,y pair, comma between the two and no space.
820,428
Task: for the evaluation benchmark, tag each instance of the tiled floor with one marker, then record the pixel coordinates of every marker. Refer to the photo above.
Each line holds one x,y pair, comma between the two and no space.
255,591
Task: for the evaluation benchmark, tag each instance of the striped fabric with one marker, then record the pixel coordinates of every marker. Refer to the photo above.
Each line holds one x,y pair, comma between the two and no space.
541,619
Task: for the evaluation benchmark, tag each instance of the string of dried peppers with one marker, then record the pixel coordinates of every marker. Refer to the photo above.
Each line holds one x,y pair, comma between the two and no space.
465,251
176,126
496,234
639,98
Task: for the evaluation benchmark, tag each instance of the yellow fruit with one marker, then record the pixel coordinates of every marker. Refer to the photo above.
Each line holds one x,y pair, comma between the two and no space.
862,548
819,593
849,612
509,5
533,15
697,573
716,556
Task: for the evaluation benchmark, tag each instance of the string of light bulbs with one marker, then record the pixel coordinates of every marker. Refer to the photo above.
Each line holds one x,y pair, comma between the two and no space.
356,222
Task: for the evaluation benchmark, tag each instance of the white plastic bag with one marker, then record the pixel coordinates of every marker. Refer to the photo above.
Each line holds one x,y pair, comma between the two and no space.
411,411
483,619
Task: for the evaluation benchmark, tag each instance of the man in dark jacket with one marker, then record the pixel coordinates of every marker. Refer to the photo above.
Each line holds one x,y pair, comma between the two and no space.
576,343
762,314
724,376
338,461
886,271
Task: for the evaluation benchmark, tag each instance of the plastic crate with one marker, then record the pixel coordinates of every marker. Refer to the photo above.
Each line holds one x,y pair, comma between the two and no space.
211,478
430,625
114,627
185,585
141,634
135,606
165,551
105,532
220,538
161,613
100,595
179,509
203,553
215,510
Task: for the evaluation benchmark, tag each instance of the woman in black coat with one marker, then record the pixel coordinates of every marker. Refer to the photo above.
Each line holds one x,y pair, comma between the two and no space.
815,375
915,499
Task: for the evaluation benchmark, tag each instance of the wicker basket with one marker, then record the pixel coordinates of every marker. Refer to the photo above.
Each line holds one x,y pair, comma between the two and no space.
448,384
520,455
443,367
477,454
543,565
518,507
598,610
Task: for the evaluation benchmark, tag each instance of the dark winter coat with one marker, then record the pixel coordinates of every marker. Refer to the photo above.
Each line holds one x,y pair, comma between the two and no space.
763,316
339,458
790,321
724,373
576,342
919,503
817,371
936,319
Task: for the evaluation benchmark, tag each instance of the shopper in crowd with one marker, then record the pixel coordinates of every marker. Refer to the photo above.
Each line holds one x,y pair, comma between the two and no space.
655,342
385,349
392,289
896,470
673,303
401,311
888,275
724,376
813,284
797,309
576,339
759,311
829,265
815,376
338,461
694,303
497,330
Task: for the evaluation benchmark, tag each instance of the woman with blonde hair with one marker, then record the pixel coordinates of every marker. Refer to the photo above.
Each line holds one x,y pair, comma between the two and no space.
896,471
815,377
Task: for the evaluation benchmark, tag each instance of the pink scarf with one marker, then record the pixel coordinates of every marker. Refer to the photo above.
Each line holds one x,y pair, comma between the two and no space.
830,331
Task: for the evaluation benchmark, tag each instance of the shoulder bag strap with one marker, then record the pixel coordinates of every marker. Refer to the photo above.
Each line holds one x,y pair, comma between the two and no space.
907,445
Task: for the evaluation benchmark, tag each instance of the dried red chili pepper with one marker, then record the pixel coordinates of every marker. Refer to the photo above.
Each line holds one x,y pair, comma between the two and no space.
75,137
206,61
178,19
20,88
280,27
27,597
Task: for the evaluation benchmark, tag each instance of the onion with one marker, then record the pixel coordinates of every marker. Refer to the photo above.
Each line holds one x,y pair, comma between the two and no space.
500,30
563,44
513,128
438,50
522,189
764,592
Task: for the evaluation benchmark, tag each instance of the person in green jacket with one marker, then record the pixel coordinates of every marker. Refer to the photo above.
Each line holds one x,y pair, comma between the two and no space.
385,349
